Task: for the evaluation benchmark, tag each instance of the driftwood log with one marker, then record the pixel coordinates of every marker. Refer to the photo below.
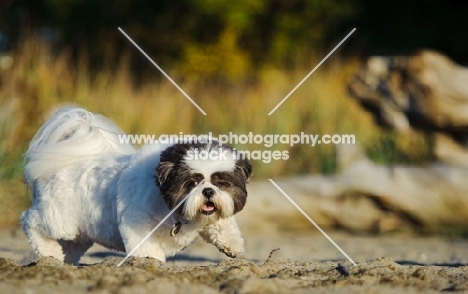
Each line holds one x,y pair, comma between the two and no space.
425,91
367,197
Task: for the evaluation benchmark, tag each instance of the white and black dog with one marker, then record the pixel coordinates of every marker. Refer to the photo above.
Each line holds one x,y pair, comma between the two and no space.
88,187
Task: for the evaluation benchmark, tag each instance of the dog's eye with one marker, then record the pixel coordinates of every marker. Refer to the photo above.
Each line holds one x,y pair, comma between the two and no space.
191,184
223,184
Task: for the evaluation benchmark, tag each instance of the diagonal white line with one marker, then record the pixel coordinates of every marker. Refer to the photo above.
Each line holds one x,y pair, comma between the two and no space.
317,226
160,223
162,71
307,76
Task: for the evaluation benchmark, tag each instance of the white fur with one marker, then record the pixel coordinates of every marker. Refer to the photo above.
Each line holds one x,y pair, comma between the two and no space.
219,160
221,199
220,163
87,187
89,135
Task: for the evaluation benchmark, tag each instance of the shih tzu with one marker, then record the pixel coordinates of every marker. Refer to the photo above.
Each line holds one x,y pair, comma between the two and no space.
89,187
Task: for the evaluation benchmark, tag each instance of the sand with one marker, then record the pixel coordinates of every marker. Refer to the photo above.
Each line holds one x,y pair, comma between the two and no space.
306,261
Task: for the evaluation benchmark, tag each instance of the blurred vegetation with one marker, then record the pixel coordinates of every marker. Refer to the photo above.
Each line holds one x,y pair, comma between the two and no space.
210,38
218,39
39,82
237,60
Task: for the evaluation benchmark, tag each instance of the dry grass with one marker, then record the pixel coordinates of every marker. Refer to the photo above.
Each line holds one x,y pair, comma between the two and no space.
39,82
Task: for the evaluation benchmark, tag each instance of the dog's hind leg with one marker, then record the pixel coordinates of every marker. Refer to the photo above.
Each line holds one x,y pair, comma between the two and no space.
74,249
43,245
39,237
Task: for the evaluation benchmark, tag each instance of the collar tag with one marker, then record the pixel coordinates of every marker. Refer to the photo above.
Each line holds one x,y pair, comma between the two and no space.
175,228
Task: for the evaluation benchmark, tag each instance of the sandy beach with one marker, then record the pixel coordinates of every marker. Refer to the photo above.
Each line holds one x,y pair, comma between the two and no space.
306,261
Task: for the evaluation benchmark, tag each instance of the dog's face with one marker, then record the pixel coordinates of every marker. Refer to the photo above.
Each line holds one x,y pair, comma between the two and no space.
225,173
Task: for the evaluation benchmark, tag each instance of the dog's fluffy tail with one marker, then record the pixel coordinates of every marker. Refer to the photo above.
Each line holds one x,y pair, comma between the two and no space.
70,136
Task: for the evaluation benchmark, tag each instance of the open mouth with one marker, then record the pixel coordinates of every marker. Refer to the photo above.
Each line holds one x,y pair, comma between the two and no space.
208,208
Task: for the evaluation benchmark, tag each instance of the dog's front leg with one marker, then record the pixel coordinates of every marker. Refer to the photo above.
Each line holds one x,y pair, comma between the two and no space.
225,235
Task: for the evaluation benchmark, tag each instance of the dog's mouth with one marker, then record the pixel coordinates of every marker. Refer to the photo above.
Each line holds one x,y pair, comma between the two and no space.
208,208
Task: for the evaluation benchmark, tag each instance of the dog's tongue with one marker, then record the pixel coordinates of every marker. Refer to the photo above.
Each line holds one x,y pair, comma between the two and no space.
208,206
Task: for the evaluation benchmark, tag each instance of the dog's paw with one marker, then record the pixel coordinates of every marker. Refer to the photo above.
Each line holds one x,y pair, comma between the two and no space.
229,253
234,249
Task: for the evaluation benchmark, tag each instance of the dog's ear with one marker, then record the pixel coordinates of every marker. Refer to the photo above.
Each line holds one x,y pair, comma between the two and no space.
162,172
245,167
169,158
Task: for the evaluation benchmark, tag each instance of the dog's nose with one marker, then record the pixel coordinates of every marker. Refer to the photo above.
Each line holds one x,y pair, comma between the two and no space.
208,192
